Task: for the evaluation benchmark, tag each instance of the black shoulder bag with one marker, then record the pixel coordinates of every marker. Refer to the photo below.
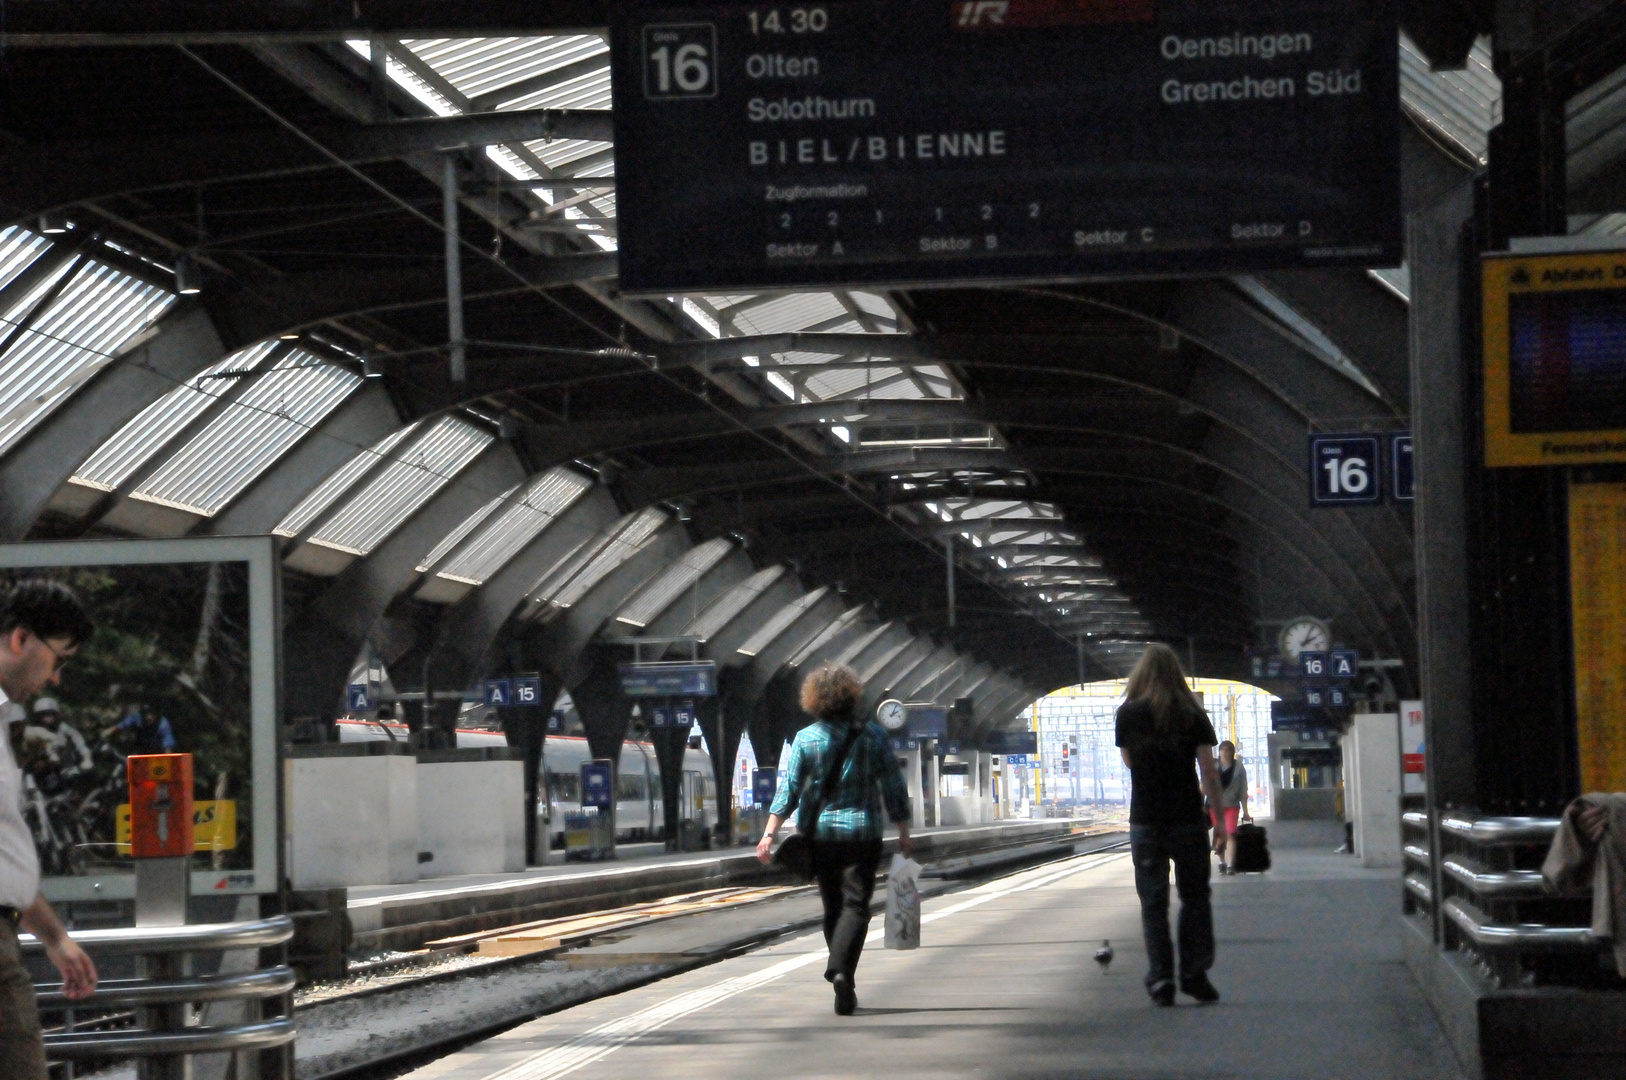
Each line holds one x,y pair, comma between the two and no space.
795,852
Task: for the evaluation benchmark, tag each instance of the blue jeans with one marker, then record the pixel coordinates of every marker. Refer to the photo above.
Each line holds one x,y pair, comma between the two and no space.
1153,847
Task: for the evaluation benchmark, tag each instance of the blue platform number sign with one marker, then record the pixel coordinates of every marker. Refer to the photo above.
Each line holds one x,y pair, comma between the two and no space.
499,692
597,789
1315,696
356,697
764,785
1313,664
1337,697
527,691
1343,663
683,715
1344,470
1402,472
660,717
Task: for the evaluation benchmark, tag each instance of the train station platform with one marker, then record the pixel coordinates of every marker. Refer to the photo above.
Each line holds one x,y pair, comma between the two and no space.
1310,971
410,916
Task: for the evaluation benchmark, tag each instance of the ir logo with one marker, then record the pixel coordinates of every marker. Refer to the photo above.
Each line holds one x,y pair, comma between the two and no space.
984,12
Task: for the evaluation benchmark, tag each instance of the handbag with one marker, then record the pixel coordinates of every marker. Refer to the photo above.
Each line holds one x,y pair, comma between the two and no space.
795,852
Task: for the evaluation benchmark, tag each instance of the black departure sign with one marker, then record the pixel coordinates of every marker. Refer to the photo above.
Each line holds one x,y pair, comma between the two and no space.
900,141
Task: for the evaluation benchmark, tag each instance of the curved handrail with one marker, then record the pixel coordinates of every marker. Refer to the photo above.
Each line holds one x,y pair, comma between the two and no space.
1501,830
103,1044
267,983
1489,935
1419,888
148,940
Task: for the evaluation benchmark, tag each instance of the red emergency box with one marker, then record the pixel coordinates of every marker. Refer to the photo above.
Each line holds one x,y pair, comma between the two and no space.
160,805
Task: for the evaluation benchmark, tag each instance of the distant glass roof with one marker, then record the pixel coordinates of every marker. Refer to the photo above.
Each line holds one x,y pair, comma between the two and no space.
279,408
18,250
134,444
824,636
315,504
404,485
727,607
530,508
77,334
653,599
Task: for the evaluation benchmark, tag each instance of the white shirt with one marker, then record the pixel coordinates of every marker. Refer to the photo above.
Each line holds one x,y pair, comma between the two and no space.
19,862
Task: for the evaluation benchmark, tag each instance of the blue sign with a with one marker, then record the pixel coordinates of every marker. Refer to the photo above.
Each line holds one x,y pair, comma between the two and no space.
527,690
356,699
1313,664
1343,663
665,680
764,785
1402,472
598,787
1345,470
499,692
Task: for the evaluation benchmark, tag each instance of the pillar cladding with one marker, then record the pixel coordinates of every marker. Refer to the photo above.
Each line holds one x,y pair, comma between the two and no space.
723,740
527,730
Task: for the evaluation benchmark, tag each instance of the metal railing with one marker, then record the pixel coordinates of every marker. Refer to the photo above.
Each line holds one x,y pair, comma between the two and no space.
165,999
1493,905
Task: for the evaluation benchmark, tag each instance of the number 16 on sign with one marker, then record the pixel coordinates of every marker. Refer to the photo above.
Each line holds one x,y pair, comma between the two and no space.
1345,470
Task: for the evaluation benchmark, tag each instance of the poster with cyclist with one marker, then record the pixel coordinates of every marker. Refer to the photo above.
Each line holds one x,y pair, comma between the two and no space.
167,670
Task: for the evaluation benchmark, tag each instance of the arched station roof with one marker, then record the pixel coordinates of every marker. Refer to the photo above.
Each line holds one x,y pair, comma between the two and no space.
222,289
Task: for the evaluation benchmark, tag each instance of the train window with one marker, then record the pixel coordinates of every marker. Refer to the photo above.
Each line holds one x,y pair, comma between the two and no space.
630,787
567,787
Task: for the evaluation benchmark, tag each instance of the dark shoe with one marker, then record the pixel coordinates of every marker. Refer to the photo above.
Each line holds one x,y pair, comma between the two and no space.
847,997
1162,993
1223,870
1200,988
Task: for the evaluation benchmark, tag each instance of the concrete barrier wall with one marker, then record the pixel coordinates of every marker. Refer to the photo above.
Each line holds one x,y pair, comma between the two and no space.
352,820
471,817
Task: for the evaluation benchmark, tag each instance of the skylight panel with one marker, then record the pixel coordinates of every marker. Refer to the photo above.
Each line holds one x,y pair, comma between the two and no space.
150,430
653,599
250,434
481,66
18,250
589,91
530,509
638,529
404,486
315,504
825,636
785,314
459,534
728,606
77,335
782,619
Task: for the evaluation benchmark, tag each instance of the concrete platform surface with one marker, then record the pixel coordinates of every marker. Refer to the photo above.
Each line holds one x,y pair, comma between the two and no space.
1309,965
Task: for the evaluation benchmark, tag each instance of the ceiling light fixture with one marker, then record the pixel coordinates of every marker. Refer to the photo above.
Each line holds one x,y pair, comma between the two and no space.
188,282
53,223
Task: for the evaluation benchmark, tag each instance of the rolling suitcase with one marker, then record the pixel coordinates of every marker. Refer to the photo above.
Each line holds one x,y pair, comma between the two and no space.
1252,850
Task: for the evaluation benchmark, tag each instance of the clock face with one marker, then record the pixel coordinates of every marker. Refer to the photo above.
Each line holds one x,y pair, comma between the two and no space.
1304,635
891,714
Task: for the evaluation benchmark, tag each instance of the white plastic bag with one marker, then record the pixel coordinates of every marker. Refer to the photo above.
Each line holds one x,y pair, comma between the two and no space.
903,904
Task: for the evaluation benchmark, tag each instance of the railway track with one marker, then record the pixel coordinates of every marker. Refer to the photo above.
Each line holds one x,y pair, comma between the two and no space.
477,985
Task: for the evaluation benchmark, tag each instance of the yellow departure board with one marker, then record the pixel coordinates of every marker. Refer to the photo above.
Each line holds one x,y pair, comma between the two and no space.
1598,607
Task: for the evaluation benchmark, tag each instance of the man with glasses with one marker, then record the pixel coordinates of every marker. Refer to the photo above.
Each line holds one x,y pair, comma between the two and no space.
42,624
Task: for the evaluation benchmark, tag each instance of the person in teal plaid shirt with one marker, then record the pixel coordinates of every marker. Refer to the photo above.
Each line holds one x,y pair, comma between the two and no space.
846,840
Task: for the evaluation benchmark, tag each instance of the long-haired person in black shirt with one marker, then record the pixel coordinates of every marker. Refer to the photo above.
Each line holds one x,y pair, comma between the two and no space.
1167,742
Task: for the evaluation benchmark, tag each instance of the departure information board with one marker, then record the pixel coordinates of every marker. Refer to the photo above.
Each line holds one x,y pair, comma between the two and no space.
916,141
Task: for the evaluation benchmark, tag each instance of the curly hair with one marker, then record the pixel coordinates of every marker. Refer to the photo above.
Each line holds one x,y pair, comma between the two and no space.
832,692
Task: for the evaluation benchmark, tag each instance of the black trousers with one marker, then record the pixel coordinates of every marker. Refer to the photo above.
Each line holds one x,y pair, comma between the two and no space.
845,871
1153,848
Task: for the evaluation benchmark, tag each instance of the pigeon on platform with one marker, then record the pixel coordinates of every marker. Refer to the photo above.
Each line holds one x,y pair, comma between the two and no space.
1103,956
